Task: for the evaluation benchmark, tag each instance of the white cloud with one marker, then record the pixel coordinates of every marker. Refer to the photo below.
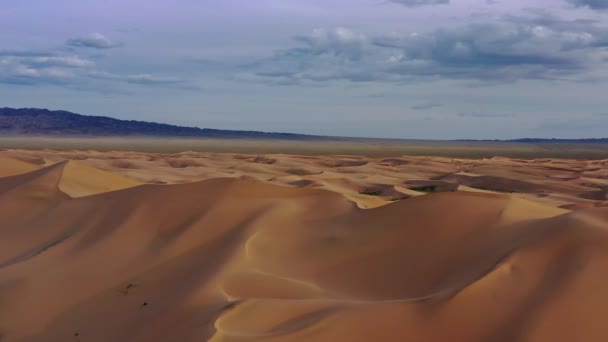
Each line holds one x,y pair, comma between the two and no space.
58,61
55,68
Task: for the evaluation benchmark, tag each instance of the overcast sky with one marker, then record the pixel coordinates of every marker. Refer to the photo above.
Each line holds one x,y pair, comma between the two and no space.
424,69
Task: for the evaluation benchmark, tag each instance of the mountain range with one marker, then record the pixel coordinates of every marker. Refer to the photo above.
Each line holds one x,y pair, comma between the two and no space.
35,121
44,122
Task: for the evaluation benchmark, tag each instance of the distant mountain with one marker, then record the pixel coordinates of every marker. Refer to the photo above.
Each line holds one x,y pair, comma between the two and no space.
44,122
33,121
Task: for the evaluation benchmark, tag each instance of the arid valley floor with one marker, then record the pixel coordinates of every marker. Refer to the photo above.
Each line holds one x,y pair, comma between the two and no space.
138,246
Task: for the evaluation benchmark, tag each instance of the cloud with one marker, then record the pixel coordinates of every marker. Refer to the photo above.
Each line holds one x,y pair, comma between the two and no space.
57,61
479,115
532,47
35,68
505,50
427,105
24,53
419,3
149,79
21,75
594,4
324,55
145,79
31,68
339,42
93,41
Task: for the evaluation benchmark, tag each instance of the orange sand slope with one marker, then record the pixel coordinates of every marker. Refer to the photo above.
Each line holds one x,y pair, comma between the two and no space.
243,260
11,166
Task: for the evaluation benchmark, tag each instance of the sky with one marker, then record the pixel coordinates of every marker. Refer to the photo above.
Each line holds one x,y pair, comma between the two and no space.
412,69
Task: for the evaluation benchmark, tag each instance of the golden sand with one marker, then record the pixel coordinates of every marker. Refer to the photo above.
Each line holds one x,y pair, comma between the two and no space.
120,246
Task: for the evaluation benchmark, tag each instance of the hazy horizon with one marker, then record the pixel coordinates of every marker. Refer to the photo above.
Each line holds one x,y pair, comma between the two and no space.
405,69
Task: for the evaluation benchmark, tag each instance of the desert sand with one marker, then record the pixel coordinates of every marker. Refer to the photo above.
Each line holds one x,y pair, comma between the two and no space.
133,246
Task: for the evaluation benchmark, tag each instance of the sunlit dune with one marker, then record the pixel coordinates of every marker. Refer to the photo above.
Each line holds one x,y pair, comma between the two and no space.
12,166
80,180
225,247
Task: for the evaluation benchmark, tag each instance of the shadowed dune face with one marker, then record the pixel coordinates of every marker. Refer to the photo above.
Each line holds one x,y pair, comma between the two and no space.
95,255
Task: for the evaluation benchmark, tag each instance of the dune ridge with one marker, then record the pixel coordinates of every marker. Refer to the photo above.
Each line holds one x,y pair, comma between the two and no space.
89,255
368,181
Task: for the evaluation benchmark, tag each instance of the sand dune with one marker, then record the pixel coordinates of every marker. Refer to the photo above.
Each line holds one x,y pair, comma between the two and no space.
90,253
12,167
80,180
370,182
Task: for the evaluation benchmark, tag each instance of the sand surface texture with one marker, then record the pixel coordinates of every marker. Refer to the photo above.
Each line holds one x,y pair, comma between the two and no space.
122,246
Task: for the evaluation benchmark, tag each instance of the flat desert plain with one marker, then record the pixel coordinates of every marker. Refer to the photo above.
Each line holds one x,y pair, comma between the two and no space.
136,246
